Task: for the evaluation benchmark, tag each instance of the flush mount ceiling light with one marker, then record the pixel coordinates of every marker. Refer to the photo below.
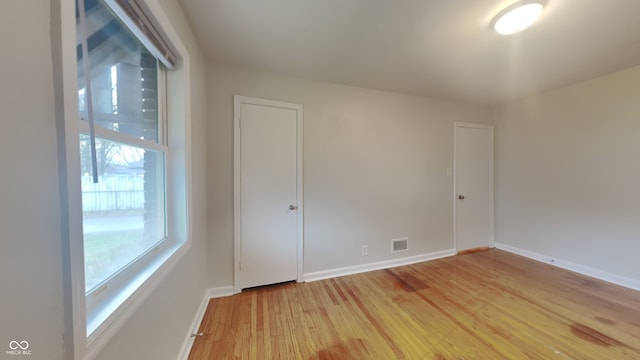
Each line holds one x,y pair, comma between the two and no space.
517,17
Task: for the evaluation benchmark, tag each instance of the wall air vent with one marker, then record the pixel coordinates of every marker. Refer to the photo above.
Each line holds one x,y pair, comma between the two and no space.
399,245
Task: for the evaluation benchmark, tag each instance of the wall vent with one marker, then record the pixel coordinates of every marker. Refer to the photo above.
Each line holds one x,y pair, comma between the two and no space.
399,245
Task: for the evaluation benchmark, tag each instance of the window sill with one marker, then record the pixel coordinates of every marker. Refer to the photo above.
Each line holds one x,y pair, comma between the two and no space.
106,321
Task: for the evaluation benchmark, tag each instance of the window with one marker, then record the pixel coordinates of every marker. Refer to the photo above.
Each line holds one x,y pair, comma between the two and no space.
123,136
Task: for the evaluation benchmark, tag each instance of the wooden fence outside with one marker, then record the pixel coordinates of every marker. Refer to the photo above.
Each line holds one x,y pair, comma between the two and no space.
112,193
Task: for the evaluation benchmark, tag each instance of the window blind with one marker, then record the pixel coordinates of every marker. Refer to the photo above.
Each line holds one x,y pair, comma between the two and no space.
137,17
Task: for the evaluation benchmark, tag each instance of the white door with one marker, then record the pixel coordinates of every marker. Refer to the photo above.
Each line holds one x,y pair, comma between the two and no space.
268,200
473,186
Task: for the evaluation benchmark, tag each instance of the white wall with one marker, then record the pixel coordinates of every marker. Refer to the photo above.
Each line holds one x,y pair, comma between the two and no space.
568,174
375,168
31,295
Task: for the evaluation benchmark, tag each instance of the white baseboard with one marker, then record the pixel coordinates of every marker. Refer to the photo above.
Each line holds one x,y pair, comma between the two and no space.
195,324
350,270
580,269
219,292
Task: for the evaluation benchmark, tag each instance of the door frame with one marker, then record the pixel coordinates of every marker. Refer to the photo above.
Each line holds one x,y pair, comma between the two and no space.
458,125
238,101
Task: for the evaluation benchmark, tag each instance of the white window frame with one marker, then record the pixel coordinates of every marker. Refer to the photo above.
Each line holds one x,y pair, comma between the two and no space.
119,306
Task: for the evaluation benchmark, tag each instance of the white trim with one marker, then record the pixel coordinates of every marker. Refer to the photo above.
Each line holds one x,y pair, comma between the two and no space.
300,192
458,125
350,270
237,211
127,139
195,325
580,269
67,90
117,319
104,300
218,292
211,293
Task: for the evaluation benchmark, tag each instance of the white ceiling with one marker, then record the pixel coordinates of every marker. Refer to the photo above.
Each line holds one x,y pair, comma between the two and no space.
435,48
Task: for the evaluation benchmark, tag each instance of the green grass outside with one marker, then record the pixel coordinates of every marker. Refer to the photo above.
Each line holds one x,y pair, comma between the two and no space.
109,251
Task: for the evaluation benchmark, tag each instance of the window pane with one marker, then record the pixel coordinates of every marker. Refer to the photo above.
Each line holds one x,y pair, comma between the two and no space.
124,213
124,77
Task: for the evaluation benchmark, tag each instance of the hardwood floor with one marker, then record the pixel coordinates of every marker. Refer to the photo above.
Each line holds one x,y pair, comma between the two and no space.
484,305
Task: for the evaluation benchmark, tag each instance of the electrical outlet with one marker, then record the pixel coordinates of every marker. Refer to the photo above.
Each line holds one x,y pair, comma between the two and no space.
365,250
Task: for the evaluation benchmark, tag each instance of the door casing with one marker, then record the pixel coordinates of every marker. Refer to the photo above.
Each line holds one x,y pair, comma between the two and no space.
237,250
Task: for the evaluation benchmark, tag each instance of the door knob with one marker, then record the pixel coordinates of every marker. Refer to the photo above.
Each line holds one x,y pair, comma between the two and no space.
461,197
293,207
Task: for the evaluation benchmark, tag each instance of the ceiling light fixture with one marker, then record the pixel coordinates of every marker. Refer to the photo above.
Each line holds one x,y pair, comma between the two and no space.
517,17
